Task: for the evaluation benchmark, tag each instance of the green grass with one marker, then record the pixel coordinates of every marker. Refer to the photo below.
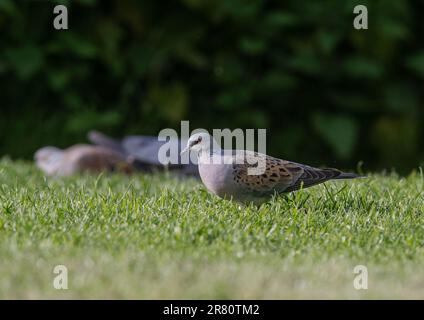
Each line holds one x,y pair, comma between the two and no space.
154,236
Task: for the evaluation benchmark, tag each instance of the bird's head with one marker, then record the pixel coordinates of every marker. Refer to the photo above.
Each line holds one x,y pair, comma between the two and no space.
48,159
200,142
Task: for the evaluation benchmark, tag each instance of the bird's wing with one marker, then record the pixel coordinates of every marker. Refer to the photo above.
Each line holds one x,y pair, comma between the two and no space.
278,175
146,149
313,176
143,148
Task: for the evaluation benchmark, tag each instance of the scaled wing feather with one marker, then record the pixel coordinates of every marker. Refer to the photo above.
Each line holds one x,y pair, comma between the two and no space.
279,176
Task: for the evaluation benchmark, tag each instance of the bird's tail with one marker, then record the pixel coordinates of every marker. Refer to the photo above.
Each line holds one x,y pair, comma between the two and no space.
347,175
103,140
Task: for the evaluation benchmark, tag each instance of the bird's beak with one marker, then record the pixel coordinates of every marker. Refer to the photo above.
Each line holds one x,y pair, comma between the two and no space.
185,150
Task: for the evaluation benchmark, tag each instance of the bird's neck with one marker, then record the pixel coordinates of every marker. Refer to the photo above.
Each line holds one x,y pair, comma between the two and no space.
205,156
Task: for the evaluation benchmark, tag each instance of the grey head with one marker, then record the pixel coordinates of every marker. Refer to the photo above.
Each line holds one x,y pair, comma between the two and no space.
202,143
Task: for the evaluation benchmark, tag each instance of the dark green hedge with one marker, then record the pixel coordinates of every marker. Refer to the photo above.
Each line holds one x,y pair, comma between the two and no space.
328,94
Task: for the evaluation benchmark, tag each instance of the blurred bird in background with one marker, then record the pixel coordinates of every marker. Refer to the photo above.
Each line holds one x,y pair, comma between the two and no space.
78,158
132,153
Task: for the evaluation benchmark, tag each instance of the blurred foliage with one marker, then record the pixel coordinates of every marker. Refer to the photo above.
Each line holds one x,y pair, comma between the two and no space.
329,94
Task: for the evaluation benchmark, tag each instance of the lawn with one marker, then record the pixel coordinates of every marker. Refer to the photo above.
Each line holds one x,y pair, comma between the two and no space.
157,236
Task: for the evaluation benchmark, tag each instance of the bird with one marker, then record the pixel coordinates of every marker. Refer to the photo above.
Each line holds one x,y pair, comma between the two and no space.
144,150
236,174
81,157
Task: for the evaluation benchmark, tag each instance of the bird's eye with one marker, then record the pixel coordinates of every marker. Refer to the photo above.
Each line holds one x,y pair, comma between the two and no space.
196,141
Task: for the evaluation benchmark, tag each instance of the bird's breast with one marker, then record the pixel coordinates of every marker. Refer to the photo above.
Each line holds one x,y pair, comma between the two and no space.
216,178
